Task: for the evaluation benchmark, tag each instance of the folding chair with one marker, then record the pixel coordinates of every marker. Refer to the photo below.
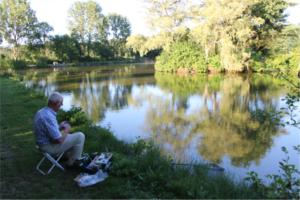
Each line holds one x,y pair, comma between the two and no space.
51,159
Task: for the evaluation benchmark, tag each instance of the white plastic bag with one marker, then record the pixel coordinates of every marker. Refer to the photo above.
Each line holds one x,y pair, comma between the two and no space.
85,179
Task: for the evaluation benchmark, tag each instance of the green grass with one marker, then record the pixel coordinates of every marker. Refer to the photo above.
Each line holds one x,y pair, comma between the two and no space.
138,171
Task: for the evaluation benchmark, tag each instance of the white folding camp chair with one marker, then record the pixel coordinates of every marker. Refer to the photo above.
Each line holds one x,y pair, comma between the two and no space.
55,162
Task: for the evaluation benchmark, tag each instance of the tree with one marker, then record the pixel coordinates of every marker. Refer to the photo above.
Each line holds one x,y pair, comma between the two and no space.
166,15
167,18
88,23
272,17
235,29
17,21
40,33
137,44
231,32
119,26
119,30
66,48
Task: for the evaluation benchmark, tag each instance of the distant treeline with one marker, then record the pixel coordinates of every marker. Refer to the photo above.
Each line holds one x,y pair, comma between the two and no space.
93,36
204,36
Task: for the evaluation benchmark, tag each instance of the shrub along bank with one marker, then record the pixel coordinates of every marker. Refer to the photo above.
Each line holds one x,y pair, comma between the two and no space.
138,171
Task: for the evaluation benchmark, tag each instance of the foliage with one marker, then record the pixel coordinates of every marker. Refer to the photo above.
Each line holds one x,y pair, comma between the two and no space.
271,17
119,26
88,23
42,62
75,116
166,15
40,33
283,186
119,29
66,48
229,33
283,52
17,21
233,35
102,51
18,64
214,62
185,55
137,44
4,62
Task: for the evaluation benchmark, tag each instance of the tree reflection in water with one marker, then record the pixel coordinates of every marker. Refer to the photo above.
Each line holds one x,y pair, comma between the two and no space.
233,116
237,117
94,89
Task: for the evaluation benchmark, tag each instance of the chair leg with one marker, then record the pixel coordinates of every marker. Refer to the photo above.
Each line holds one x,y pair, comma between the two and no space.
54,162
39,164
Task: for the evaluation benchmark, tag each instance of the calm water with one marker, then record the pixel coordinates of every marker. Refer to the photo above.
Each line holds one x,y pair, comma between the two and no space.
229,120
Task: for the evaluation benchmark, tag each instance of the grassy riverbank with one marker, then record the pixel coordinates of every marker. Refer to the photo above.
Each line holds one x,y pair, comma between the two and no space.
138,170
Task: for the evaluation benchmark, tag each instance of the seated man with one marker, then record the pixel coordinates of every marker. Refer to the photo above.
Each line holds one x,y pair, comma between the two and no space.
48,136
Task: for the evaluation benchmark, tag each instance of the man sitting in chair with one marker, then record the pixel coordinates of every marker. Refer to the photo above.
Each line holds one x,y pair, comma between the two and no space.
48,136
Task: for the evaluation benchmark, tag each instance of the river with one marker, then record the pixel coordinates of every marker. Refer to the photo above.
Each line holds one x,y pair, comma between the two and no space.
230,120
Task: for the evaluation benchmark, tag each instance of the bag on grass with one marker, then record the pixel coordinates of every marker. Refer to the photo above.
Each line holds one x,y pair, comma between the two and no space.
95,169
85,179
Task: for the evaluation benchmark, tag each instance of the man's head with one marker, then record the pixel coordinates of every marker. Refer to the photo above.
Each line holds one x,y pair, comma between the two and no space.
55,101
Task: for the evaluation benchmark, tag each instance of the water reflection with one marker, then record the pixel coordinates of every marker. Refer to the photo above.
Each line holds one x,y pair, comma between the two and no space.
233,117
229,119
93,89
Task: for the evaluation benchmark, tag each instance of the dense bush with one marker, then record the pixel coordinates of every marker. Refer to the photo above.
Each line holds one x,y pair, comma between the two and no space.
182,55
75,116
214,62
288,60
18,64
42,62
4,62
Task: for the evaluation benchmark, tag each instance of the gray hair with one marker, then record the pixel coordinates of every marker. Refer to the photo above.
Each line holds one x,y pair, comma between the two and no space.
55,97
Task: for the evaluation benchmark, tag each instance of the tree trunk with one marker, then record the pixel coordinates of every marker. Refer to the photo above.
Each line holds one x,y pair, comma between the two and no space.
15,53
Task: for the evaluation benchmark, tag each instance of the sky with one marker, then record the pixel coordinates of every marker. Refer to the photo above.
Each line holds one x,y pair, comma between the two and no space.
55,12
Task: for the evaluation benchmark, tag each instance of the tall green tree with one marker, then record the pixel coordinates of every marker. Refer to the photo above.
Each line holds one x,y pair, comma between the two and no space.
17,21
166,15
119,26
224,28
119,30
272,17
40,33
88,23
168,18
235,29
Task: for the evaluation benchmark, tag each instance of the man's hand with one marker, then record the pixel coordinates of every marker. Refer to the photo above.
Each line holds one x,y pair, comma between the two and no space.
60,140
65,127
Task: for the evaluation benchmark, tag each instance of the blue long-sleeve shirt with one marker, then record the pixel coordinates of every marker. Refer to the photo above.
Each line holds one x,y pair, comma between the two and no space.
45,126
